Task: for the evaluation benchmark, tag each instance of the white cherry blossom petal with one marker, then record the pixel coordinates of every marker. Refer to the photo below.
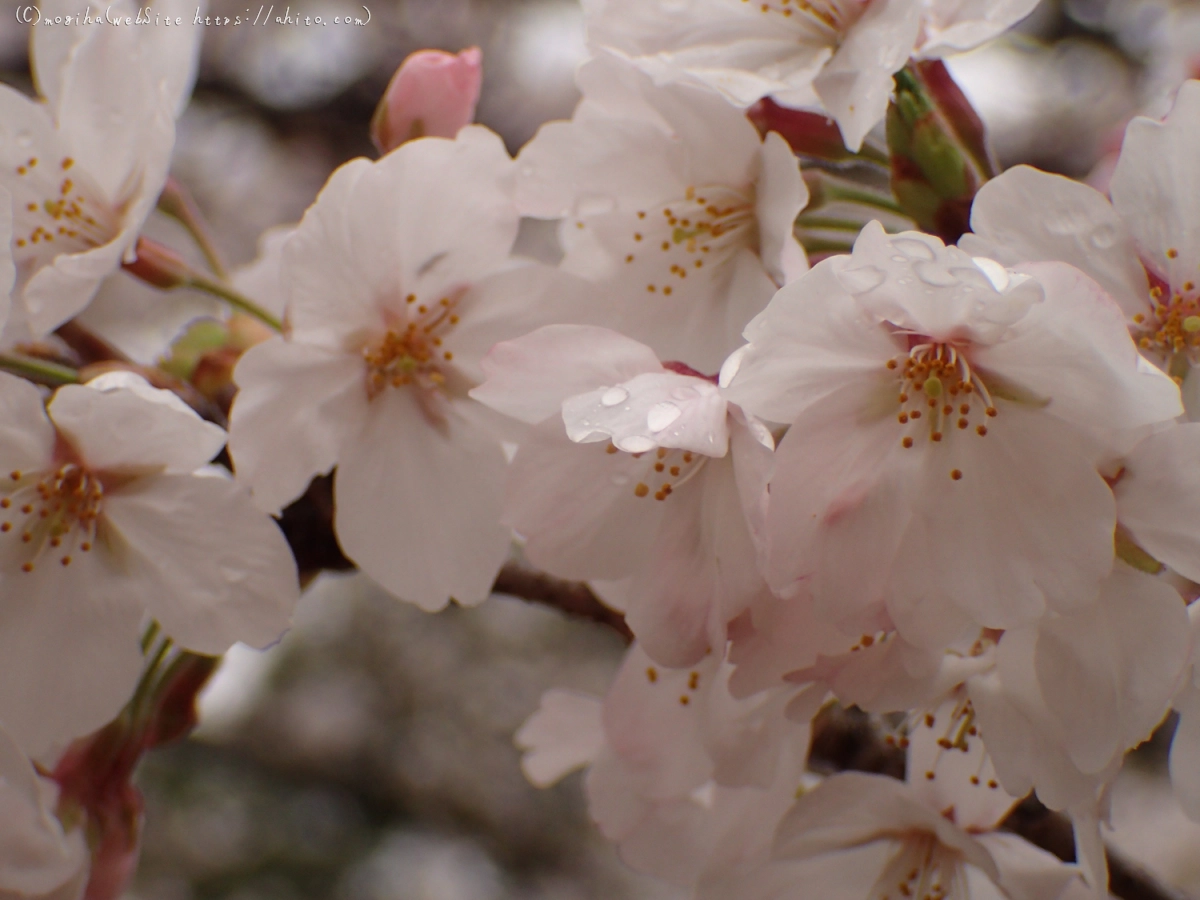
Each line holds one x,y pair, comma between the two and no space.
1025,215
295,405
418,506
99,423
203,561
530,377
656,409
565,733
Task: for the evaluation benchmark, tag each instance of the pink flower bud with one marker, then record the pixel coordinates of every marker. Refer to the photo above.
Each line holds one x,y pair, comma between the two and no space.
432,94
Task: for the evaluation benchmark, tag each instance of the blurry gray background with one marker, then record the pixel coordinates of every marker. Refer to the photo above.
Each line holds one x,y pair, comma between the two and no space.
369,756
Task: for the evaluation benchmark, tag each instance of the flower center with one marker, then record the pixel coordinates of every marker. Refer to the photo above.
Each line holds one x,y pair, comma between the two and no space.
671,469
704,229
1171,331
938,385
412,351
56,209
50,511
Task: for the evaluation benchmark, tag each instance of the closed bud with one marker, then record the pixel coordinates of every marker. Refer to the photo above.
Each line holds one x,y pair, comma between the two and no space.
432,94
938,149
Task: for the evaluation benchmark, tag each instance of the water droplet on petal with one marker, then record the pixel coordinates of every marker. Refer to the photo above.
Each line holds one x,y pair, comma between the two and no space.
934,274
995,272
684,392
24,139
1103,237
620,480
614,396
914,249
861,280
661,415
635,443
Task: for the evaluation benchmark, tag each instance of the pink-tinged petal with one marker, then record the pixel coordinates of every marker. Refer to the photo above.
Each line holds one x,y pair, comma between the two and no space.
432,94
954,25
578,508
850,809
296,405
418,502
1156,187
209,566
530,377
1027,872
515,302
653,718
839,505
856,83
1025,215
564,734
702,573
1074,350
655,409
63,289
329,296
810,341
1003,568
1185,753
98,425
69,650
1158,497
434,215
26,435
1109,671
1025,741
37,860
781,195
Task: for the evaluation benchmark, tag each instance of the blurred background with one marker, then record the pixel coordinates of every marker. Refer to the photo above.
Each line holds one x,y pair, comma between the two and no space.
369,755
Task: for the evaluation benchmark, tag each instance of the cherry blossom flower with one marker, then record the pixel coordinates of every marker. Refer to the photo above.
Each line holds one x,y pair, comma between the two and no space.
946,418
85,168
839,54
104,519
39,860
673,203
650,482
397,281
1143,247
858,835
681,777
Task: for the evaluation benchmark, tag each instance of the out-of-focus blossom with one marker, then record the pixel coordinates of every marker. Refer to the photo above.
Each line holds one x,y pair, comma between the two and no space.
1143,247
683,777
650,482
104,519
39,860
921,386
397,281
857,835
432,94
85,167
673,203
838,54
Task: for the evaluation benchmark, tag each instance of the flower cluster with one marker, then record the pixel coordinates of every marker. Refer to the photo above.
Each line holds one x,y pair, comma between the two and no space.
953,485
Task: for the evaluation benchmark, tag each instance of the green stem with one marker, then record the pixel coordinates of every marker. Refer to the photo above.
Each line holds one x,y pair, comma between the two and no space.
234,299
874,155
827,223
39,371
176,202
